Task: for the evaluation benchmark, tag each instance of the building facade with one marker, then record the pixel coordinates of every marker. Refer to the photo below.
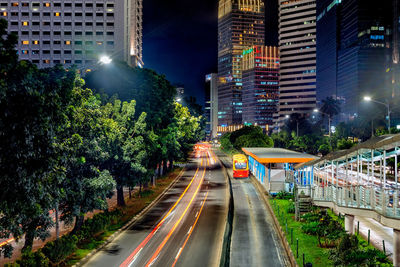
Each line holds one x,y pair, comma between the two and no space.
297,45
328,39
241,24
364,54
211,108
260,66
75,32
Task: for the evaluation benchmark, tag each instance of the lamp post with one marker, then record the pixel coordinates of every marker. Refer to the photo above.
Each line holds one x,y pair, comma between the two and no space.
329,119
297,125
387,105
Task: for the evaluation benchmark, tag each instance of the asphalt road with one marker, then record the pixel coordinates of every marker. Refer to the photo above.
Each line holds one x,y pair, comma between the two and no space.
185,228
254,241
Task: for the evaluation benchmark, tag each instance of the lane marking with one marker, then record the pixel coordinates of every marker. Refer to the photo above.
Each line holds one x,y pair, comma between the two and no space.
187,238
197,213
149,236
160,247
190,229
177,254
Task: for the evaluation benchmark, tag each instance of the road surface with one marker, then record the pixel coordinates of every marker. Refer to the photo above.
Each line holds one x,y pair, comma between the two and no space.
184,229
254,239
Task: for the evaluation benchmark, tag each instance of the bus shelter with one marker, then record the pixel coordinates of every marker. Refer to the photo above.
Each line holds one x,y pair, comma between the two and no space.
271,165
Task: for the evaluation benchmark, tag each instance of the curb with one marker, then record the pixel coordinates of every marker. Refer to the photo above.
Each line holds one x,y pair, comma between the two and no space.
130,223
278,227
226,240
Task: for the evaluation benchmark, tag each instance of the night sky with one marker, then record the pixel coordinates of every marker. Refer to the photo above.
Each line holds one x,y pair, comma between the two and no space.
180,41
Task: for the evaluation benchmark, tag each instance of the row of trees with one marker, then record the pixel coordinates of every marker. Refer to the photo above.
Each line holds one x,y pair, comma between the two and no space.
248,136
64,149
304,134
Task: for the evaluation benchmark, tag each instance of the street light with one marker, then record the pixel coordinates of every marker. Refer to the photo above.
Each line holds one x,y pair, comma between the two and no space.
297,125
105,60
387,105
329,119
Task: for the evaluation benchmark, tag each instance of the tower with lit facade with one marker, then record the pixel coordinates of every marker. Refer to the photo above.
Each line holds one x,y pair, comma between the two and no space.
260,96
241,25
75,32
297,44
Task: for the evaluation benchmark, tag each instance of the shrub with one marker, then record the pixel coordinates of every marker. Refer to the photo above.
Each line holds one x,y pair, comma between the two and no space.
33,259
284,195
291,208
58,250
311,228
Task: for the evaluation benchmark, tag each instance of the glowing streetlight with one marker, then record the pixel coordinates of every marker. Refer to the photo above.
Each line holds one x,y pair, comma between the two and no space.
178,100
329,119
105,60
386,104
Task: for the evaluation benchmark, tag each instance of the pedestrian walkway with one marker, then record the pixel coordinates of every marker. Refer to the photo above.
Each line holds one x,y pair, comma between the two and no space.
378,233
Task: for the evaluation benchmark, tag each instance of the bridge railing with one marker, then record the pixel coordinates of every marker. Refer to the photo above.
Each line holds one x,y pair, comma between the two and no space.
383,201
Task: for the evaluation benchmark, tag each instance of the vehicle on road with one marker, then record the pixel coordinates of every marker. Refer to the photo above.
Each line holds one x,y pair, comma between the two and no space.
240,166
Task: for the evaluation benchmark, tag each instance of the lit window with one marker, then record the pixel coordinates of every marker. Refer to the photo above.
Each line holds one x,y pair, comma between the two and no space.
25,52
36,42
15,4
25,42
57,14
4,14
25,23
67,42
47,4
46,61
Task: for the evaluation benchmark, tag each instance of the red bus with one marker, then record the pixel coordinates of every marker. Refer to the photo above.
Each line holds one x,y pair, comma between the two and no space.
240,166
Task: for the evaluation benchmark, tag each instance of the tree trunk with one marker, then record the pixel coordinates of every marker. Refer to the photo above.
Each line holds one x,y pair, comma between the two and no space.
130,192
57,223
140,189
78,223
29,236
120,196
171,164
165,168
159,170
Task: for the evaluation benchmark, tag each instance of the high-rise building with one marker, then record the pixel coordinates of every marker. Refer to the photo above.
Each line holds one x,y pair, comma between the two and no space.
354,52
364,53
297,44
211,108
240,25
327,47
75,32
260,85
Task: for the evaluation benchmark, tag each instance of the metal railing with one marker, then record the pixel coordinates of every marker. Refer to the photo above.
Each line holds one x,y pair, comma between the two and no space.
383,201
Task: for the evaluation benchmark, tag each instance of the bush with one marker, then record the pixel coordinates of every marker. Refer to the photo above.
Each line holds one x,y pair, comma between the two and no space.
311,228
98,224
284,195
58,250
349,253
31,259
291,208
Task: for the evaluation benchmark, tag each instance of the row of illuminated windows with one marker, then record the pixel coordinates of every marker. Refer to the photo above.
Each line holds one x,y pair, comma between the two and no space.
67,42
48,61
57,52
48,4
56,14
68,33
58,23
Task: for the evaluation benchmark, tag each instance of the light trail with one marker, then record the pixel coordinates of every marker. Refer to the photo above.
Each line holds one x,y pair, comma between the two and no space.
160,247
149,236
190,231
6,242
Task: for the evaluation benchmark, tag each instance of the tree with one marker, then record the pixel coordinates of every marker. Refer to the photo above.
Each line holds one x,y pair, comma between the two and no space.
330,106
32,114
123,140
86,187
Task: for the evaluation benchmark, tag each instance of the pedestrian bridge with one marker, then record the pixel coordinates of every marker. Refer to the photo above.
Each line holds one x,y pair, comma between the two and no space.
361,181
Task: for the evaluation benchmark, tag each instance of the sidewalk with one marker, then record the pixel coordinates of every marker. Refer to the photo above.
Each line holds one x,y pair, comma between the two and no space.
377,234
64,229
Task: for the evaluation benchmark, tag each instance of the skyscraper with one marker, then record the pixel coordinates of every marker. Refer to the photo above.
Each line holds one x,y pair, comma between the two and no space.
240,26
260,85
297,44
75,32
364,53
211,108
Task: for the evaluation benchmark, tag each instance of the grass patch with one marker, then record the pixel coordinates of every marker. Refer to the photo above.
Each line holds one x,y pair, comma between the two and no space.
133,206
308,244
